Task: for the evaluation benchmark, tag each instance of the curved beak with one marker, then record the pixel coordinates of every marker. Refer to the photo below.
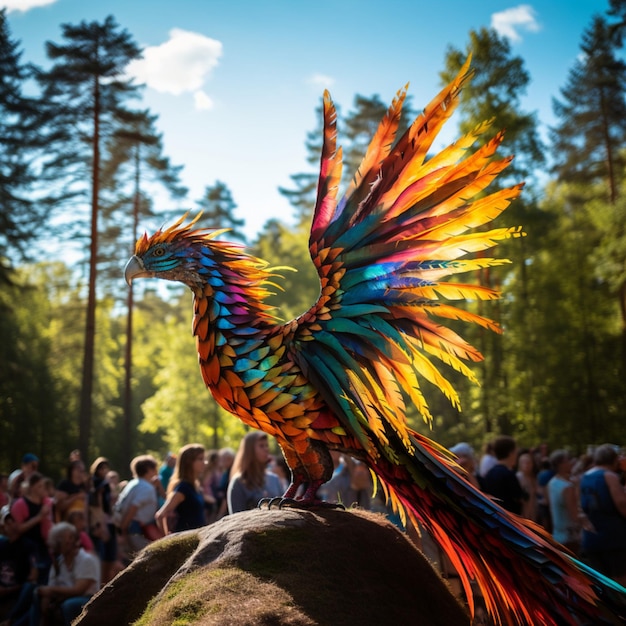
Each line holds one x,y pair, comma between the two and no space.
135,269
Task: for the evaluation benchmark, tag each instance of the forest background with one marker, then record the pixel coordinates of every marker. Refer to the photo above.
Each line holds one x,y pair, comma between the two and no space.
87,363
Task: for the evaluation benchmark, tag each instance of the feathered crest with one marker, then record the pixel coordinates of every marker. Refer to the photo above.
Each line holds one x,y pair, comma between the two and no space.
181,231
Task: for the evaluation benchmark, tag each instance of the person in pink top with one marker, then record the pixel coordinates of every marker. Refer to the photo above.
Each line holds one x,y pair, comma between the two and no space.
33,516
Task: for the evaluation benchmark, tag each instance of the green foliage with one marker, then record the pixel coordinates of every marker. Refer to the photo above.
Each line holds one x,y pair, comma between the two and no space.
494,93
588,147
609,255
571,387
26,380
44,319
84,92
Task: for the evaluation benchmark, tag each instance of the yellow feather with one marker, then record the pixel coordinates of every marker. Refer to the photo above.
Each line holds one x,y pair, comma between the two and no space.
452,361
458,149
411,151
423,365
372,416
465,244
410,384
394,418
445,339
457,291
454,313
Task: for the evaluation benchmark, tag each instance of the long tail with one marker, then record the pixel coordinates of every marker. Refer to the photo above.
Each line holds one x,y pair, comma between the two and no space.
524,576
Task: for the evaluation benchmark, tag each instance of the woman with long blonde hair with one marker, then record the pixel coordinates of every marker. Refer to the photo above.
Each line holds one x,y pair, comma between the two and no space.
184,500
250,480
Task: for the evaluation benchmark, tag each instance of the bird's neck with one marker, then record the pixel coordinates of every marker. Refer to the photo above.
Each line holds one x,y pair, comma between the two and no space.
239,341
230,290
225,319
229,309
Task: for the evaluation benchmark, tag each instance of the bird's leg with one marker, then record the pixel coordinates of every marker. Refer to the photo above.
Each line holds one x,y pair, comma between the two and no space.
298,479
311,466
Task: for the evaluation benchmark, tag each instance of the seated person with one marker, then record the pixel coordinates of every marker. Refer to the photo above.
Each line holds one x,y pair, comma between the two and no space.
78,521
18,568
74,577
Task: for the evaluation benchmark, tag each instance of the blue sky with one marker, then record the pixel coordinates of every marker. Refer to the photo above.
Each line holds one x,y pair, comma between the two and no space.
235,83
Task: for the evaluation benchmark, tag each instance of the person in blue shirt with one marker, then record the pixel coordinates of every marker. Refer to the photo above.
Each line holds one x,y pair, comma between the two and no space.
603,501
167,469
184,506
562,498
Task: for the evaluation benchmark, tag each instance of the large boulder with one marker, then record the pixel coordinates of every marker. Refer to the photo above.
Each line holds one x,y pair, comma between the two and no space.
291,567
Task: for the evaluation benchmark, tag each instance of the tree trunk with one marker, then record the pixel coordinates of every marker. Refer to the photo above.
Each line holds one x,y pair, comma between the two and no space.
610,167
90,323
128,354
621,296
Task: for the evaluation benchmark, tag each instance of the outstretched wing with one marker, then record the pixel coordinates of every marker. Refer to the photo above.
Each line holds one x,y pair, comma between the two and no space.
385,254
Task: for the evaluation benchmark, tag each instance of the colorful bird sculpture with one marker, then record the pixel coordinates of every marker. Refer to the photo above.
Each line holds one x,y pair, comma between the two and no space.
338,376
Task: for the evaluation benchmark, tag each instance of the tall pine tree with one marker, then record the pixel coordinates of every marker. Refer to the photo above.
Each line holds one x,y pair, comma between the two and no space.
587,142
588,148
302,198
134,168
86,89
218,209
494,93
21,217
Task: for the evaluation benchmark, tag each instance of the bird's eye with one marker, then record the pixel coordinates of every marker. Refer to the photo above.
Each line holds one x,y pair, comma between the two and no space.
159,252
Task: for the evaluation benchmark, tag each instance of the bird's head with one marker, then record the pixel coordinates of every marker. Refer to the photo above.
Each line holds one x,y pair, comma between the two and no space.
194,257
180,253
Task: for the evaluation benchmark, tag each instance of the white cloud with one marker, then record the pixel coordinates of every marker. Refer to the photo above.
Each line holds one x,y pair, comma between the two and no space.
507,23
24,5
321,80
179,65
202,101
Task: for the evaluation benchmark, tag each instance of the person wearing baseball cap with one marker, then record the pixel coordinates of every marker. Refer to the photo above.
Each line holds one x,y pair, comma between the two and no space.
30,464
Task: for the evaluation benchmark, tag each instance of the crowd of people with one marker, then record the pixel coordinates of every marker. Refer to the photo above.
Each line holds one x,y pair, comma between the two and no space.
61,541
580,501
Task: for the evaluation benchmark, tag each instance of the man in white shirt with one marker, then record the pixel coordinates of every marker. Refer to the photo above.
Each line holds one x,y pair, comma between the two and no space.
74,577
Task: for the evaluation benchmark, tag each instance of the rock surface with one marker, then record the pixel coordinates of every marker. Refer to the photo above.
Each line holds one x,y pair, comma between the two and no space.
280,567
